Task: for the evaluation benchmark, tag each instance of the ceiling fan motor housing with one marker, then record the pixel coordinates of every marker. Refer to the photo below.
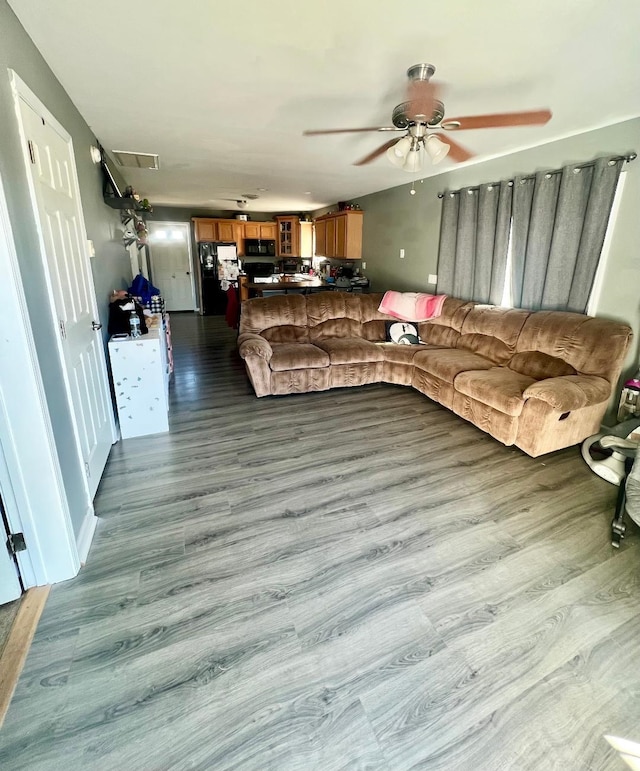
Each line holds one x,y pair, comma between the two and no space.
420,71
402,112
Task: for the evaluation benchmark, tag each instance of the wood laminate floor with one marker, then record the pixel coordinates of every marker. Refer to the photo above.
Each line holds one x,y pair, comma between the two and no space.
354,579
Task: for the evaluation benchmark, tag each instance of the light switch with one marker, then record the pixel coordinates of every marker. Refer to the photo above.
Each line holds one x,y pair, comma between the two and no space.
402,254
364,266
433,278
91,248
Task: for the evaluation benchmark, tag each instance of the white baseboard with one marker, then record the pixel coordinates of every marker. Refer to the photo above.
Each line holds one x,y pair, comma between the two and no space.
85,536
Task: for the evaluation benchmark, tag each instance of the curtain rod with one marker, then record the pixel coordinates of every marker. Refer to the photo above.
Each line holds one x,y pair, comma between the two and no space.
628,158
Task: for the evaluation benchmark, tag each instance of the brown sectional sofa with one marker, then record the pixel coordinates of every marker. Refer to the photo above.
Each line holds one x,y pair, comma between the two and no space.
540,380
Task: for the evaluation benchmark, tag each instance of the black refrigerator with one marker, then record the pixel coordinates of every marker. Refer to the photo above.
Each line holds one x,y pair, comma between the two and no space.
219,268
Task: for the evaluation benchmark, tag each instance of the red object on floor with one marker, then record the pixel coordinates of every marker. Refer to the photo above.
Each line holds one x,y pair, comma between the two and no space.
232,315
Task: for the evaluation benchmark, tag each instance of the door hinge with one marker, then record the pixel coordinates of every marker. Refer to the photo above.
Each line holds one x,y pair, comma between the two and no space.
32,154
63,329
16,543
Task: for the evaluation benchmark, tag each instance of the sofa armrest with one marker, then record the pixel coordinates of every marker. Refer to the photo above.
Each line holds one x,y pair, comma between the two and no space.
254,345
570,392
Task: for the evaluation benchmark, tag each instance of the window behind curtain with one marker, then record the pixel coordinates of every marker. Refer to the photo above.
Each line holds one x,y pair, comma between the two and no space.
532,243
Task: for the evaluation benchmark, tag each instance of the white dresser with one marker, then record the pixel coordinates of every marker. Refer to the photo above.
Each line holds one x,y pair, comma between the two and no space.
140,369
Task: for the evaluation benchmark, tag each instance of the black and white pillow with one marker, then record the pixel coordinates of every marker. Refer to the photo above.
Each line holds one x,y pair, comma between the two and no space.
403,332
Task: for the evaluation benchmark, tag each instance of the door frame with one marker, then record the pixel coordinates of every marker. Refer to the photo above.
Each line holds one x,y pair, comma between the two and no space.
161,224
30,478
22,92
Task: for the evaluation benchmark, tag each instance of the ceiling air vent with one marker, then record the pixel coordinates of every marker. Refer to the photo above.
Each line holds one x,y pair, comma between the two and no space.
136,160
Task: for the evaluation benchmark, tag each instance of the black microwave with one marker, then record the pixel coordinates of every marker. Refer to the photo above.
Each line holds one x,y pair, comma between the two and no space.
259,247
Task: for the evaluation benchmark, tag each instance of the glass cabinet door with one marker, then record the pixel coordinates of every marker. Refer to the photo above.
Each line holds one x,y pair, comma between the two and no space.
287,240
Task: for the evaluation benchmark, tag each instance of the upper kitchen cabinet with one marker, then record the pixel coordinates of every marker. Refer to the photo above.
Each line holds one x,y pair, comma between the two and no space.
339,235
205,229
306,240
293,238
288,236
215,229
260,230
226,230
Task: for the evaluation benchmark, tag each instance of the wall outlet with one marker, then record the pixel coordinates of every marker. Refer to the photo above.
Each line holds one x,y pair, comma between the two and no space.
402,254
90,248
433,278
364,266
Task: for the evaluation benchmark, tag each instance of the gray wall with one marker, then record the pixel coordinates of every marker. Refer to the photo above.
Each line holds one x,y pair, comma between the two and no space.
111,263
395,220
184,214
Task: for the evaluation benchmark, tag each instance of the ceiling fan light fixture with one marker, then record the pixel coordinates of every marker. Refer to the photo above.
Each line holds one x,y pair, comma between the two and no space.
414,159
394,159
402,147
436,148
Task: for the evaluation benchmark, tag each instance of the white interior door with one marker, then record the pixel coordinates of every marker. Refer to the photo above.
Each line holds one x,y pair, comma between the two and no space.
10,588
68,271
171,270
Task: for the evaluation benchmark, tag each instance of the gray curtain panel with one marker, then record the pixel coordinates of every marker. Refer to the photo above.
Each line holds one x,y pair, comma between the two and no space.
474,237
448,238
559,225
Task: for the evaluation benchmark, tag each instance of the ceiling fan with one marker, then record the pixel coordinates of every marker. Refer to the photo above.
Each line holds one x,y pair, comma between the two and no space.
420,114
241,202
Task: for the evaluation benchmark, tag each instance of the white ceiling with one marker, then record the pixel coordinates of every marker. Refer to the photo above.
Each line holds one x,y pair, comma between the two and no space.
223,90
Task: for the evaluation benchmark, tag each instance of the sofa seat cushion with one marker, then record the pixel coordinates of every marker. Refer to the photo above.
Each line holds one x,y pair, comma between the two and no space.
498,387
401,354
288,356
350,350
448,363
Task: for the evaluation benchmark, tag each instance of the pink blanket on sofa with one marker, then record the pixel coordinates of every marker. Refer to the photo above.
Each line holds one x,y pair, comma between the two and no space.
412,306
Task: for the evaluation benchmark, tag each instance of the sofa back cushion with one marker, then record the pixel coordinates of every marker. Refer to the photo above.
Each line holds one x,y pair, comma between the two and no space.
279,319
333,314
539,365
445,329
373,322
591,346
492,332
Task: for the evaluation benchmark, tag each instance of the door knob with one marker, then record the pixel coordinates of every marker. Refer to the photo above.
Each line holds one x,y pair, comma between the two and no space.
96,325
188,273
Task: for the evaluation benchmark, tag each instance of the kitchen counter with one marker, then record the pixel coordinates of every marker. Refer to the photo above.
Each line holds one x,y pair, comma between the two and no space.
253,289
256,289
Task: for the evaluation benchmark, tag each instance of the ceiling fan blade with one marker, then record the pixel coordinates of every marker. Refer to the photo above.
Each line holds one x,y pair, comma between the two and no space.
457,152
421,97
350,131
376,153
498,120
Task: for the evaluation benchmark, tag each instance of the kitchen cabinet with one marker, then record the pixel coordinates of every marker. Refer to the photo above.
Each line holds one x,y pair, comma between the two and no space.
205,229
237,232
268,230
217,229
306,240
339,235
260,230
321,237
288,236
294,238
252,230
226,230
